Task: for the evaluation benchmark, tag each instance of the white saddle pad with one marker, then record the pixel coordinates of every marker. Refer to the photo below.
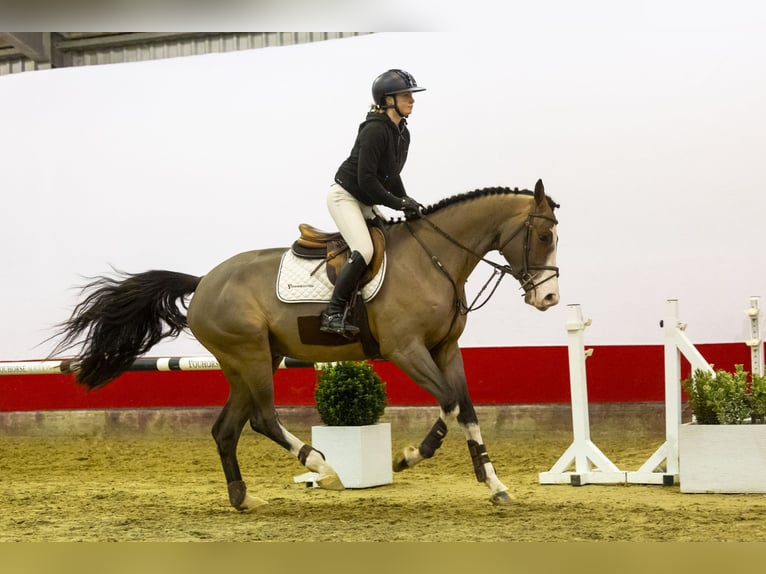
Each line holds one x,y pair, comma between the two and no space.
296,284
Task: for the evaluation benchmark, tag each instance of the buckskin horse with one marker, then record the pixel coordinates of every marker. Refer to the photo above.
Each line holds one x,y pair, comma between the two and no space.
414,321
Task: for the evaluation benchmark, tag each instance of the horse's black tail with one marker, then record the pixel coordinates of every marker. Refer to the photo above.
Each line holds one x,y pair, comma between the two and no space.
122,318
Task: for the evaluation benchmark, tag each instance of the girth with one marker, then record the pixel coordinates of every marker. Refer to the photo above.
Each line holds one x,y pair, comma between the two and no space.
314,243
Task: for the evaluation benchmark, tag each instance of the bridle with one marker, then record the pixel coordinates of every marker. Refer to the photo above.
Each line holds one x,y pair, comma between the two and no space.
525,276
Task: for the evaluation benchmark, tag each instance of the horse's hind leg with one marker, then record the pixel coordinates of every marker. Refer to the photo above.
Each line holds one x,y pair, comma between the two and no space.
252,397
226,432
307,455
264,420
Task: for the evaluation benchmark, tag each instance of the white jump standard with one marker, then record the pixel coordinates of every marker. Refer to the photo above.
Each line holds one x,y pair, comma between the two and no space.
591,466
755,342
676,344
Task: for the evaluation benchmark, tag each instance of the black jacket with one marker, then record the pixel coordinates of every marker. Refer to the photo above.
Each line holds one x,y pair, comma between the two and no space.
371,172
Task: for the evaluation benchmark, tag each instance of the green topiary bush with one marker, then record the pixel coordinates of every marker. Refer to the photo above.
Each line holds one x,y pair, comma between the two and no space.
350,394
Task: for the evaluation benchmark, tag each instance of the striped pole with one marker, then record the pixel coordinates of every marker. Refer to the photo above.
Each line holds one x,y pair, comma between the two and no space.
68,366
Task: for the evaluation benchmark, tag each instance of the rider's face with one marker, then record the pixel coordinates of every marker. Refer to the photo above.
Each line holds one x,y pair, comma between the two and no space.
405,102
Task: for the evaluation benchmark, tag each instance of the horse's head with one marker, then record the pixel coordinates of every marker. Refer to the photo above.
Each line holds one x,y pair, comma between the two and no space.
531,253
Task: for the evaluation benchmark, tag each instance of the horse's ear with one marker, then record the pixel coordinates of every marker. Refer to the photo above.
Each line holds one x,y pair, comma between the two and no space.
539,192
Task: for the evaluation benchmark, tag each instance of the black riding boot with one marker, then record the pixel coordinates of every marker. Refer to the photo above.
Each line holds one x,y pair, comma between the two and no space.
334,318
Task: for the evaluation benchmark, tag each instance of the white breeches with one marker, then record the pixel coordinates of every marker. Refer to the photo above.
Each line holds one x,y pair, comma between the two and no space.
350,216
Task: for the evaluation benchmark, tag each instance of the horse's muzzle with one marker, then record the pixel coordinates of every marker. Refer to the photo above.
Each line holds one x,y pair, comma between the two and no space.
543,293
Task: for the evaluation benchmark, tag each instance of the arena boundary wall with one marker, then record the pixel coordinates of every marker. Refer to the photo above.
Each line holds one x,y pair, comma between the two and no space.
640,418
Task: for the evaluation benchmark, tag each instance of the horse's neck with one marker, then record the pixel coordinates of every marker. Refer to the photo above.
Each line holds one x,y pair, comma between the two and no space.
474,225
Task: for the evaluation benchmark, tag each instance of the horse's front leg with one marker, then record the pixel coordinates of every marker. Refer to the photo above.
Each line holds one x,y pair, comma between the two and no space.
409,456
443,376
469,422
419,365
482,465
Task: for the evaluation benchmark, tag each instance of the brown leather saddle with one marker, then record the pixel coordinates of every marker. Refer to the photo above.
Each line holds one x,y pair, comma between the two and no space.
333,251
329,246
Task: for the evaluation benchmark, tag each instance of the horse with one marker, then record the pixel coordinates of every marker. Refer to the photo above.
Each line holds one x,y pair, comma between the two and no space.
415,321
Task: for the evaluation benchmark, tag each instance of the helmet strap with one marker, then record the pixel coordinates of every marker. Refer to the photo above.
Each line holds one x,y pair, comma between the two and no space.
394,106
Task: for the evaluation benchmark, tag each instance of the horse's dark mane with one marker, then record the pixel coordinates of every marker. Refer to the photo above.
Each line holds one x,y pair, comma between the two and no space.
483,192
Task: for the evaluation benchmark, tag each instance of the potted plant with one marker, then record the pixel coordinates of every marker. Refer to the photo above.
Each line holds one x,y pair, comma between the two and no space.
351,398
724,448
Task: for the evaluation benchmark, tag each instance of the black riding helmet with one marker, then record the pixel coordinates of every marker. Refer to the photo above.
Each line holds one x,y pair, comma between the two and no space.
391,83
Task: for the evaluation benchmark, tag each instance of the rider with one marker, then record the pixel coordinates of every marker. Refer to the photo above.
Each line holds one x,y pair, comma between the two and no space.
370,176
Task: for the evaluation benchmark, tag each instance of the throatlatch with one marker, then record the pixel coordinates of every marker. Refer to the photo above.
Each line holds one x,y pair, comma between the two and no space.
433,439
479,457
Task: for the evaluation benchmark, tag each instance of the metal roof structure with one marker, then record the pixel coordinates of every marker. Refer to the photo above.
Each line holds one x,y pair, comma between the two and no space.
31,51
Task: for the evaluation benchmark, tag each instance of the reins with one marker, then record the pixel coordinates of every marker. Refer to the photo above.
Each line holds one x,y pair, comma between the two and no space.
524,277
499,270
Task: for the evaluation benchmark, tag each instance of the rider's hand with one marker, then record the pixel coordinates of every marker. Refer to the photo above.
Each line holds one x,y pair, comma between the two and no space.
410,207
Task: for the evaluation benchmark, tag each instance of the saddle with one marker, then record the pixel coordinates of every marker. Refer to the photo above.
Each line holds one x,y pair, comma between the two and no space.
329,246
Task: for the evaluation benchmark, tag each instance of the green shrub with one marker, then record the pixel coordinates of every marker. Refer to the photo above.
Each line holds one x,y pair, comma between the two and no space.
729,398
726,398
350,394
758,397
697,388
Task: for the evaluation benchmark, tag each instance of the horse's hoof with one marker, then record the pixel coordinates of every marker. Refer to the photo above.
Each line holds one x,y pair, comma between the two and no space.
400,460
501,498
330,482
251,503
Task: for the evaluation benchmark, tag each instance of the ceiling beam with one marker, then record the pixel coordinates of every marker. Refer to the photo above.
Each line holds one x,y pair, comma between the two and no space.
34,45
122,39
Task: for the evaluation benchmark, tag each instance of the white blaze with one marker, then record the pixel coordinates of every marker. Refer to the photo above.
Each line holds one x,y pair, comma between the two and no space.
546,292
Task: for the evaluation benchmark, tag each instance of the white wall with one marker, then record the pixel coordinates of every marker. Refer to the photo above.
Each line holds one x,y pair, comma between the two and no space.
649,132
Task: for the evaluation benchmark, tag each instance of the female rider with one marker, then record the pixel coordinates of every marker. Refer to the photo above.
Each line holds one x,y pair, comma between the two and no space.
369,177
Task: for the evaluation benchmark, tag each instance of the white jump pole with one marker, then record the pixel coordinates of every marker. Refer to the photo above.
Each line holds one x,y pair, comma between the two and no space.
756,341
676,344
591,466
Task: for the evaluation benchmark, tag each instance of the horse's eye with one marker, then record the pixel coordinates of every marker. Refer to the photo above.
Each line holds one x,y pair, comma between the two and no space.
546,237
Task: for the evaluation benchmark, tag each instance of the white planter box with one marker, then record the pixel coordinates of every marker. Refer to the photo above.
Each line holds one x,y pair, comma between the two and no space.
361,455
722,458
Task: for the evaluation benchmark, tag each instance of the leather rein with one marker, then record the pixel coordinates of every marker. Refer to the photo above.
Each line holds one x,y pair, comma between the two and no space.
524,277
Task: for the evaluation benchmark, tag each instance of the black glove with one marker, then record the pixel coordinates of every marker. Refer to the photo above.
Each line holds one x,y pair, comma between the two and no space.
410,207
